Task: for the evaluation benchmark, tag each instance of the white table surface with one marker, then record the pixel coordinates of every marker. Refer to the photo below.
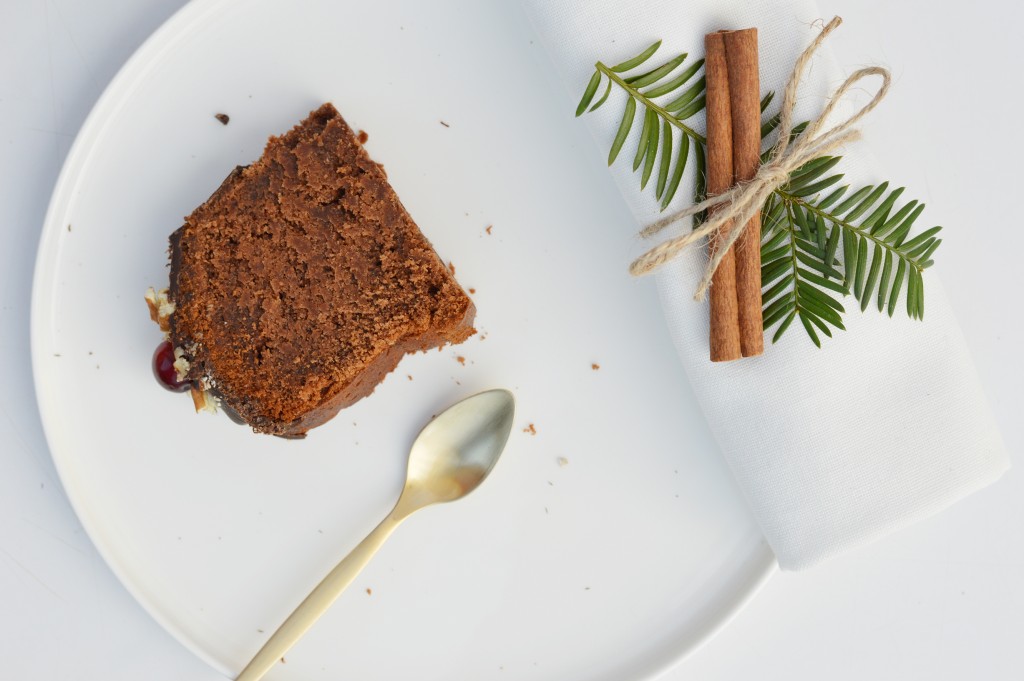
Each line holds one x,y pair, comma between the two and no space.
942,600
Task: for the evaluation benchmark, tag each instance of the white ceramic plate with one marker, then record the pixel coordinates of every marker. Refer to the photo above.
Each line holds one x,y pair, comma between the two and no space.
609,566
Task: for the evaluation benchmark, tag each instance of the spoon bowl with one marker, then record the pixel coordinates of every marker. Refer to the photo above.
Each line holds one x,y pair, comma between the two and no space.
449,459
455,451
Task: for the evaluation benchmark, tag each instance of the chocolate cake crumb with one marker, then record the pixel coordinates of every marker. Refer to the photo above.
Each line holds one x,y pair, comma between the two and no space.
369,591
595,366
488,230
223,118
531,429
363,136
451,268
409,376
472,291
461,360
301,283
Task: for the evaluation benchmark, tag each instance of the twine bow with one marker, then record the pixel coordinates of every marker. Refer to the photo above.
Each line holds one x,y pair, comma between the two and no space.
738,205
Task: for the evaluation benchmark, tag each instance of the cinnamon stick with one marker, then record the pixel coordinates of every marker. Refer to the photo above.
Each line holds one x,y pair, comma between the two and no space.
733,155
725,329
745,104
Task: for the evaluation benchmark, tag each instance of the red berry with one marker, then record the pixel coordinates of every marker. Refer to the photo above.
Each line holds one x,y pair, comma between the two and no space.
163,369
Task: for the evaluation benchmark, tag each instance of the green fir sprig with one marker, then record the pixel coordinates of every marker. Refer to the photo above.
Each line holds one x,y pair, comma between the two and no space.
820,240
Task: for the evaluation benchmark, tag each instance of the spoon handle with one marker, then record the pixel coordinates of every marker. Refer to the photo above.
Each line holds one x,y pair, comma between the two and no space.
317,602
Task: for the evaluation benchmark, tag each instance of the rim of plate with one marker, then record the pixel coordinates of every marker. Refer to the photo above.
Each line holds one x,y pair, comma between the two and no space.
114,95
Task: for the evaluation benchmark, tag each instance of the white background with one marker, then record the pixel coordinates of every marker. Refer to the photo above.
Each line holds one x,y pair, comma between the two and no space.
942,600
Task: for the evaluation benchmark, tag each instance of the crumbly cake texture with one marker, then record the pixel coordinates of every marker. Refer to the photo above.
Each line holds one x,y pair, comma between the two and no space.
302,281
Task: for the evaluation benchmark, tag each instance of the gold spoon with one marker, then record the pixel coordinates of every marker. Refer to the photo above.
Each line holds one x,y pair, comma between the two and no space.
451,456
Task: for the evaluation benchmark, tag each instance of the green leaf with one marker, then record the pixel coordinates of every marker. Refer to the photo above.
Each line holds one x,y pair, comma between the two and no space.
900,233
777,288
821,310
700,187
779,314
897,284
604,97
588,94
641,147
849,255
676,82
832,198
813,189
677,171
690,109
652,148
783,326
797,129
774,242
879,215
653,76
773,271
823,282
623,132
783,304
776,252
808,291
767,99
912,294
832,245
637,60
883,286
891,223
816,264
773,218
810,247
919,239
919,250
800,220
688,96
928,252
809,329
852,199
770,125
666,158
920,295
811,171
869,285
862,262
818,322
868,201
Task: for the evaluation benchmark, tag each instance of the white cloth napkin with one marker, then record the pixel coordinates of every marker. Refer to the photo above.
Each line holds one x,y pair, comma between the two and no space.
832,448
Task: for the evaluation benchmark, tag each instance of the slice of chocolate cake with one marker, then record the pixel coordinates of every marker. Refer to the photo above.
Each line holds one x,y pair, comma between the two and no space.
303,281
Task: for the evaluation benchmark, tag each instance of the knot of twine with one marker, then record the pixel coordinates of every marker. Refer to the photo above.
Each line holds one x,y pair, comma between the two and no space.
738,205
